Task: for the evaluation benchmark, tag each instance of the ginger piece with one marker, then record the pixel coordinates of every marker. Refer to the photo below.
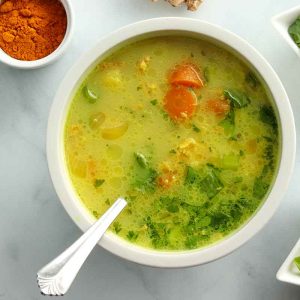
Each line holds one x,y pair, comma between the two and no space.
191,4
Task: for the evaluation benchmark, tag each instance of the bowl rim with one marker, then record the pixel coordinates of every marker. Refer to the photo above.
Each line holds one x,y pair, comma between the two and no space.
110,241
52,57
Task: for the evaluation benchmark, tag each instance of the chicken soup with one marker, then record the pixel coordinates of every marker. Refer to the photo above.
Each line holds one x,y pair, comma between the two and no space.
181,128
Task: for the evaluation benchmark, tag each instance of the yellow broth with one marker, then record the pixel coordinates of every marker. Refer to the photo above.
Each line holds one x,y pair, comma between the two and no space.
188,182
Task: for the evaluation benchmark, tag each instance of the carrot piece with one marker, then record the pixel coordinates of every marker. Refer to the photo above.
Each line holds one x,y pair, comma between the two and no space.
180,103
187,75
218,106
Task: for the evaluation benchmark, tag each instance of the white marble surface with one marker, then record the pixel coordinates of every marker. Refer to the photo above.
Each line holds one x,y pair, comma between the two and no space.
33,225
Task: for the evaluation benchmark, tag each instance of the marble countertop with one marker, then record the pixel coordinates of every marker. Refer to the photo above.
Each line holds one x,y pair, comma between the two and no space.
34,227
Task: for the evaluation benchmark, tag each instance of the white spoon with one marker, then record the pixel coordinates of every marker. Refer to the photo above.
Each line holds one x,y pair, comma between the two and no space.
56,277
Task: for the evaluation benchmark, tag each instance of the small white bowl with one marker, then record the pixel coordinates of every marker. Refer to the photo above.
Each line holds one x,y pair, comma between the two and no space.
288,272
52,57
282,21
160,27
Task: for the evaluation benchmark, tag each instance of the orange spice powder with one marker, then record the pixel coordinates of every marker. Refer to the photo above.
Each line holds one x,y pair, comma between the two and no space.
31,29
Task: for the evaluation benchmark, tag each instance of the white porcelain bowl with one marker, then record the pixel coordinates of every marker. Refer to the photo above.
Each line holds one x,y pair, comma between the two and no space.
158,27
52,57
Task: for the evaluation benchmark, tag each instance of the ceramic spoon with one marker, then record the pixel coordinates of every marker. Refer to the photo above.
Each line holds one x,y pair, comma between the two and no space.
56,277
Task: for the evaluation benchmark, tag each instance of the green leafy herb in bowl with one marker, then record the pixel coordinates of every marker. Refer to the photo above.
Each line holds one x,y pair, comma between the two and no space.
294,31
297,262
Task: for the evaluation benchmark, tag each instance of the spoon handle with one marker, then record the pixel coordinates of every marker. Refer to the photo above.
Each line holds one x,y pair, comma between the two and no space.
57,276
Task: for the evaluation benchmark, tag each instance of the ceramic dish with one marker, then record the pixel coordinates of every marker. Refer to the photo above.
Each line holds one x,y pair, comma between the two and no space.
282,21
159,27
288,272
22,64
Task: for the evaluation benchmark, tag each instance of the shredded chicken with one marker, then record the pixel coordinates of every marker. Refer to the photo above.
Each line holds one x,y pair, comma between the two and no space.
143,64
191,4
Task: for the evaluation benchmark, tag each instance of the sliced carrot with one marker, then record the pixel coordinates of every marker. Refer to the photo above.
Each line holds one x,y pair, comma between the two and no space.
187,75
180,103
218,106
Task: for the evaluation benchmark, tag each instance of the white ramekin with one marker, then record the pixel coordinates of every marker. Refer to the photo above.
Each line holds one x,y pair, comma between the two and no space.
52,57
288,272
55,146
282,22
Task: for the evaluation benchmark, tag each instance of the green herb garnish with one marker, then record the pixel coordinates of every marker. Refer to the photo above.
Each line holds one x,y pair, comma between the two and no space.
237,98
229,122
117,227
267,116
294,31
154,102
145,175
132,235
170,203
297,262
158,233
211,184
95,214
252,80
98,182
191,175
195,128
238,179
191,242
147,182
172,208
260,187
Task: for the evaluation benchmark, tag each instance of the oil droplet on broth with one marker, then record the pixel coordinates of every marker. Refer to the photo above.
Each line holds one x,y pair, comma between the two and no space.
118,171
114,151
115,182
103,162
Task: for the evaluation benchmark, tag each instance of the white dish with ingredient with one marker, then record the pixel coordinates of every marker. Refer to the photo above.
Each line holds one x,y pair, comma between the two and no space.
282,22
52,57
159,27
289,272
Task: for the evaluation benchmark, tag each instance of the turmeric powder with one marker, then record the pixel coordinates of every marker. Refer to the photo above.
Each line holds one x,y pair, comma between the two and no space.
31,29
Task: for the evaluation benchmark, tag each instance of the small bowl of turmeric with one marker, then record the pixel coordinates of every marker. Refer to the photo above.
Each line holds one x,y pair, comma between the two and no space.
34,33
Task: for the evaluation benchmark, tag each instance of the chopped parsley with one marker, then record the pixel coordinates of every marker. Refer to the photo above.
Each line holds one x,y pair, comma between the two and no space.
237,98
267,116
195,128
132,235
117,227
98,182
252,80
154,102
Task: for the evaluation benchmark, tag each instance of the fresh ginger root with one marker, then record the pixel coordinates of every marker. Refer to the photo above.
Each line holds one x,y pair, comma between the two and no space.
191,4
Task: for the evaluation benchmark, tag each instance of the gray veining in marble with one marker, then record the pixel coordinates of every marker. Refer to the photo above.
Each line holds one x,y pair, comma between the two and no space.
33,225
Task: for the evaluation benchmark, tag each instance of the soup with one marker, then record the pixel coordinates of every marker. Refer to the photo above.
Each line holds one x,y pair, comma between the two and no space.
181,128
